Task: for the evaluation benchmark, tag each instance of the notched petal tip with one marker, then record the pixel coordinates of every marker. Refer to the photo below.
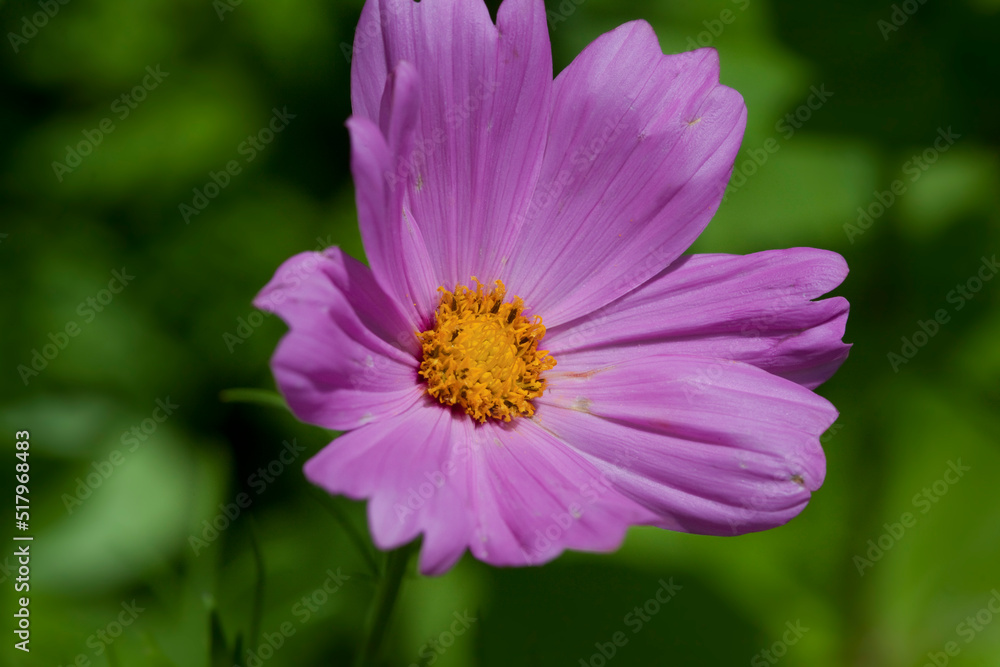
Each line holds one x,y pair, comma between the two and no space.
707,58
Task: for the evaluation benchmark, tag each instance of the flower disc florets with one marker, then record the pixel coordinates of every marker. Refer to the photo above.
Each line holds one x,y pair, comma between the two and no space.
482,354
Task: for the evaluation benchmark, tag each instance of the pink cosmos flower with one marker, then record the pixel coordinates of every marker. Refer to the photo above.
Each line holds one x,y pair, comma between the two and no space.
530,365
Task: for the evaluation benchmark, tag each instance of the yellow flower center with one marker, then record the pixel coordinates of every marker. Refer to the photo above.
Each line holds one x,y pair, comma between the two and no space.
482,354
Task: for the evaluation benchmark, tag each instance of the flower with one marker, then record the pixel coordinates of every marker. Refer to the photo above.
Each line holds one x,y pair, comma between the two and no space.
530,365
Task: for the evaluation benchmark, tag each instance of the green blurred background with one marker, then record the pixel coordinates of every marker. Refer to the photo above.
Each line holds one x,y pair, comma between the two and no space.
183,330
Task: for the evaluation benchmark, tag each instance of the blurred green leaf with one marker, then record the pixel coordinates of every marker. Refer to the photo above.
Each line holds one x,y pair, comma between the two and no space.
126,520
62,427
929,576
801,194
962,182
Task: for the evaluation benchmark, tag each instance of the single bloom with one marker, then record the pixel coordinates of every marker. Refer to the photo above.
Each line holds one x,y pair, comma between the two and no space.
530,364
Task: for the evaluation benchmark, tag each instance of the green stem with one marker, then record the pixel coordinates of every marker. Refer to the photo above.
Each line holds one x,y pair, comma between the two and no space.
258,596
353,534
386,594
258,396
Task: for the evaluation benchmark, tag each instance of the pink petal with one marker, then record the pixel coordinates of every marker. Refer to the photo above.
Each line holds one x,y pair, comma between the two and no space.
413,468
350,356
513,496
710,446
534,497
393,243
640,149
757,309
484,109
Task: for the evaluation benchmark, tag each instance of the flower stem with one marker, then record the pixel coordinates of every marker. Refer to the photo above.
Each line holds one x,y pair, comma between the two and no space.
258,596
386,593
353,534
259,396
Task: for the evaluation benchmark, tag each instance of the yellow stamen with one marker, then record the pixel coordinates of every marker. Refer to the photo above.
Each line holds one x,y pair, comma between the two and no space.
482,354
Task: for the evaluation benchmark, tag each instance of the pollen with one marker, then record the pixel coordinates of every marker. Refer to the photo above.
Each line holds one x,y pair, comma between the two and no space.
482,354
